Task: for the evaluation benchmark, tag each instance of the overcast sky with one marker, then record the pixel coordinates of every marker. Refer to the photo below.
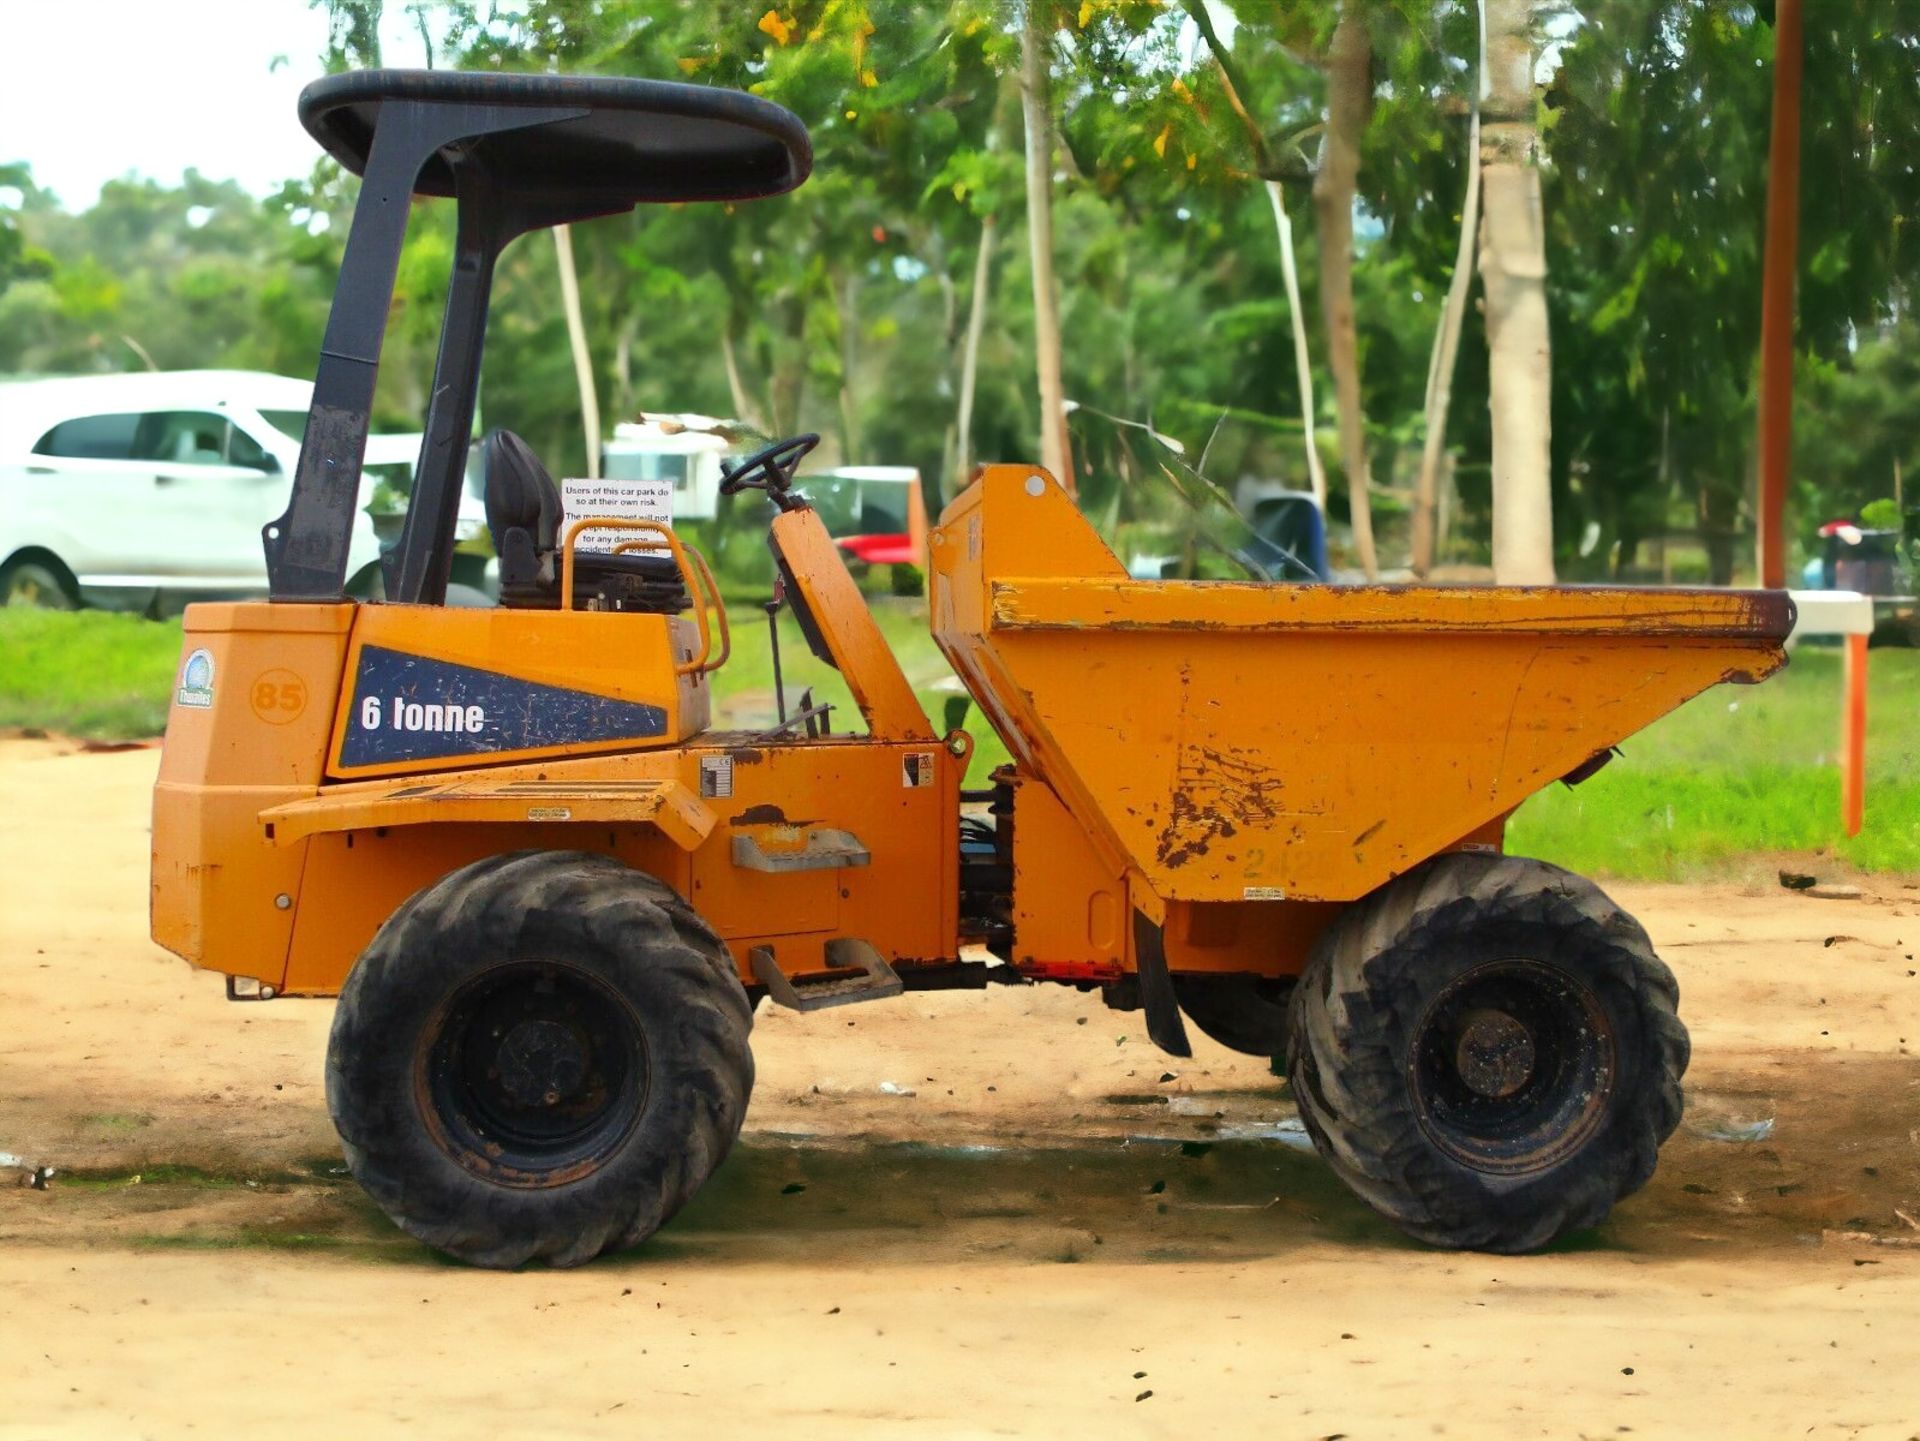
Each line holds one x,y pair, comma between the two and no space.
93,89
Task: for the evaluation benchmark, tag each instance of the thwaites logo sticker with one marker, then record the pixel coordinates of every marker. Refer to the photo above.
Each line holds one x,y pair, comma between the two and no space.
196,681
916,769
411,707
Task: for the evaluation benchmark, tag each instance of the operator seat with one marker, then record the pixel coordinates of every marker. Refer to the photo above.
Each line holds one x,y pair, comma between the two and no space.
523,512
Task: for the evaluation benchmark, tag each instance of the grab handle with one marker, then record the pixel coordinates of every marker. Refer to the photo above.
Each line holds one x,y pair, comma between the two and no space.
695,574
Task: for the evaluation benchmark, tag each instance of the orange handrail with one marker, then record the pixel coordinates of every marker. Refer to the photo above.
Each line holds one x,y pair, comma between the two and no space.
694,573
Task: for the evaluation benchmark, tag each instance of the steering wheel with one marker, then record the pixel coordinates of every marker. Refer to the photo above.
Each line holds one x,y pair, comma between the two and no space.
774,466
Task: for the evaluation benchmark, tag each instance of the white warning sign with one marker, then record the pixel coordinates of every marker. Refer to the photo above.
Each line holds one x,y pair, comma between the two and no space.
581,499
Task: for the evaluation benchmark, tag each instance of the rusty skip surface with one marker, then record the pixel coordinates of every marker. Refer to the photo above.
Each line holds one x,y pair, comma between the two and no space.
1083,603
1225,741
1217,794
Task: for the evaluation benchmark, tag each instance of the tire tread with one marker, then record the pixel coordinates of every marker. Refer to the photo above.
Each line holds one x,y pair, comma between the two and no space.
1362,990
620,921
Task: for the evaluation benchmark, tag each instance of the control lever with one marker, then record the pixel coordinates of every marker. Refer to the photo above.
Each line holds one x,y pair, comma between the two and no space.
772,609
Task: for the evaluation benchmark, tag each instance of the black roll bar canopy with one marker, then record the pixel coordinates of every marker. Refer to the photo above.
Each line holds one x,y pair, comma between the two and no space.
516,153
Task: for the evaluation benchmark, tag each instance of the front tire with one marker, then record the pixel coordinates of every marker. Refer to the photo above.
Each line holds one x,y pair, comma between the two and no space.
36,584
1487,1051
541,1057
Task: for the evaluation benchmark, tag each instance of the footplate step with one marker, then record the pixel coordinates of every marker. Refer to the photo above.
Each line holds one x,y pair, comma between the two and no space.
873,980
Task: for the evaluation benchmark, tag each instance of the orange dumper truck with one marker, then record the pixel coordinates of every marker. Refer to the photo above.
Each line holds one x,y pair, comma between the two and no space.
549,893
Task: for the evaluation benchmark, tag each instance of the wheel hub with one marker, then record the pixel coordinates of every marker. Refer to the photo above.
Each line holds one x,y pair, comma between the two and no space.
1512,1066
534,1074
541,1062
1495,1054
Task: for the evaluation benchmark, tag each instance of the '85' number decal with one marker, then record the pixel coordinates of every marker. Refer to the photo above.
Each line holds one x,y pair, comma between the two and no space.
278,697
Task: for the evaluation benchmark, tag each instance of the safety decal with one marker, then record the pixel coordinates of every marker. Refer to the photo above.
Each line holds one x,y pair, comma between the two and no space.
916,769
411,707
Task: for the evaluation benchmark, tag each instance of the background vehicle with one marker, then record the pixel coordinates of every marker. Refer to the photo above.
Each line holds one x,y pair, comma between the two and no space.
1291,531
876,514
549,895
387,481
684,449
146,489
1880,561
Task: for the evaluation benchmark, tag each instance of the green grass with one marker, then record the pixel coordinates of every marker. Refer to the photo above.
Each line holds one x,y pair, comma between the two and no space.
1738,773
1741,772
117,1125
87,673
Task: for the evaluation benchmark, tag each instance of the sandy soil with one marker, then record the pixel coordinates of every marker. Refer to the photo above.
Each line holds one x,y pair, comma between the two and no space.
1060,1232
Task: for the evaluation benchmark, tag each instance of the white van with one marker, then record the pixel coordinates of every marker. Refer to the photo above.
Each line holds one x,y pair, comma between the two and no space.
133,491
684,449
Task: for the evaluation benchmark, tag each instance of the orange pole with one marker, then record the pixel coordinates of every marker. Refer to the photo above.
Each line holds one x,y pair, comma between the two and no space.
1776,293
1853,741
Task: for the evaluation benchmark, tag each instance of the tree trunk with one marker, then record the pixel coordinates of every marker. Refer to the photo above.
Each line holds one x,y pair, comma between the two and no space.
1513,270
744,410
1036,104
1289,271
623,366
970,359
1302,366
787,367
1349,100
577,339
1668,491
847,296
1446,348
1626,552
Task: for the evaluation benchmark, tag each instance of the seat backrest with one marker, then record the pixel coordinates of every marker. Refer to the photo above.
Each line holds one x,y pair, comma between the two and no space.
520,493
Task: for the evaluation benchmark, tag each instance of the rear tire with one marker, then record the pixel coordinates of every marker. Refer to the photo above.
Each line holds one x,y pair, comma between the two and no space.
1486,1050
541,1057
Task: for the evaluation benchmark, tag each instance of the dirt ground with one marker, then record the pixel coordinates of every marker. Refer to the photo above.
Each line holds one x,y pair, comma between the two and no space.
1055,1231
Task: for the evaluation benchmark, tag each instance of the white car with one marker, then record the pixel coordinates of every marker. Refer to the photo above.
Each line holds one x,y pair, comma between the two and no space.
144,490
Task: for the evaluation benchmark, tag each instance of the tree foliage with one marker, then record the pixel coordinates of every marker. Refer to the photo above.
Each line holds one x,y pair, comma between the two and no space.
844,307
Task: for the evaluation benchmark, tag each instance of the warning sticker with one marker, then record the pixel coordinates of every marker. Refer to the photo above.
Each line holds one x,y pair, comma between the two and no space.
621,499
1263,893
916,769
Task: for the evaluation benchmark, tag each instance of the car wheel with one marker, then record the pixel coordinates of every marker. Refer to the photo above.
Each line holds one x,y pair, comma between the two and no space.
35,583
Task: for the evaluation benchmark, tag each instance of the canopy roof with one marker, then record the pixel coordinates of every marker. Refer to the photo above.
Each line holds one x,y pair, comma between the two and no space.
623,142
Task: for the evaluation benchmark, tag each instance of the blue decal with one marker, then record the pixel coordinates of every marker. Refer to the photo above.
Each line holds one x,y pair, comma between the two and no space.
413,707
